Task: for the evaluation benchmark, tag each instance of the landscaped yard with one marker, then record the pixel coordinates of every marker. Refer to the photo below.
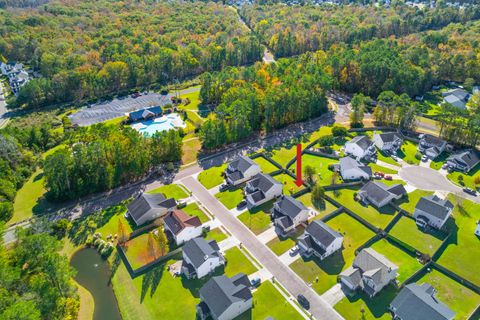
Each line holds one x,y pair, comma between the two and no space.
360,306
284,155
171,191
265,165
212,177
137,251
408,152
376,168
114,215
320,164
216,234
289,186
407,264
29,198
386,159
306,199
379,218
463,252
466,180
410,201
194,210
439,161
237,262
460,299
190,147
407,231
257,221
281,245
230,198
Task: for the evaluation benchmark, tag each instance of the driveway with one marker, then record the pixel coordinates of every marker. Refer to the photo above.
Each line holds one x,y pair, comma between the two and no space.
281,273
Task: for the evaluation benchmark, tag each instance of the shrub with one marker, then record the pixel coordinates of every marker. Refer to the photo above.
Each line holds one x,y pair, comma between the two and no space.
418,155
338,131
6,211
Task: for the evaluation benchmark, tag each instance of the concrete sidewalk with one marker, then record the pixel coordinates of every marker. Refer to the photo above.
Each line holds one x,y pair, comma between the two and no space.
267,235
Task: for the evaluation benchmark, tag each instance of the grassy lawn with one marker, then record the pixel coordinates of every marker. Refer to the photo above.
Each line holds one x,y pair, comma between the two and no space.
111,226
406,263
216,234
237,262
382,157
289,186
28,198
410,201
323,176
230,198
265,165
257,221
284,155
407,152
212,177
323,274
392,182
137,251
306,199
171,191
439,161
459,298
269,302
375,308
194,210
379,218
464,246
281,245
115,121
468,179
407,231
190,149
376,168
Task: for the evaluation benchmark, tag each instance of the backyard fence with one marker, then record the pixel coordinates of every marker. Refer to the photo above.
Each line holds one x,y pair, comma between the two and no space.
332,214
321,154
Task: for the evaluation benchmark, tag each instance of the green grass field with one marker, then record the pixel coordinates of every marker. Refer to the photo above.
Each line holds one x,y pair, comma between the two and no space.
386,159
171,191
407,152
407,231
379,218
230,198
284,155
281,245
408,203
137,251
265,165
216,234
306,199
194,210
468,180
376,168
190,149
212,177
289,186
29,197
320,164
439,161
407,264
257,221
237,262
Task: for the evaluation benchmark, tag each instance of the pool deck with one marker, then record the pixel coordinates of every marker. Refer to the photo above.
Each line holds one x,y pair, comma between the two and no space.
163,123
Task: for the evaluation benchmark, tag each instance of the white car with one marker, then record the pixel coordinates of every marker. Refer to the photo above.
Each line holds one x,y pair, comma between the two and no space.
294,250
424,158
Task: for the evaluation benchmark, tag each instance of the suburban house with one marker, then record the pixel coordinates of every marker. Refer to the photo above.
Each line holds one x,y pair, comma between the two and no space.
287,214
477,230
145,114
370,272
388,141
223,298
181,227
17,76
432,211
431,146
241,170
379,194
351,169
360,147
148,207
262,188
456,97
201,258
418,302
464,161
319,240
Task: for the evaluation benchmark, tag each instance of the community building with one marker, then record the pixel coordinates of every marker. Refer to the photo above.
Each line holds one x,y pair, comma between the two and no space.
361,147
241,170
456,97
432,211
145,114
148,207
379,194
351,169
287,214
319,240
181,227
201,258
262,188
388,142
223,298
431,146
370,272
419,302
464,161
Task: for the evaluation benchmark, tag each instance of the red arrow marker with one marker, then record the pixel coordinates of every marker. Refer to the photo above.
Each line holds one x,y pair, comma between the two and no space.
299,181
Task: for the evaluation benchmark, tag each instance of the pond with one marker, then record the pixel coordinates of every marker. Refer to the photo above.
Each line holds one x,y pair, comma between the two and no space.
93,273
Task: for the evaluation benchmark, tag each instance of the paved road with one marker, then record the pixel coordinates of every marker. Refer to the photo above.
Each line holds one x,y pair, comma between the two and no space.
282,273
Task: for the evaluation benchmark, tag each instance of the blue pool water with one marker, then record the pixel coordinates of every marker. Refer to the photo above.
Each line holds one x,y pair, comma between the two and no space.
163,123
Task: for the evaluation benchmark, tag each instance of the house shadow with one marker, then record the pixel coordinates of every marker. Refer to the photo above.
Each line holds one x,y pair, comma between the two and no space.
247,315
452,239
378,305
194,285
331,265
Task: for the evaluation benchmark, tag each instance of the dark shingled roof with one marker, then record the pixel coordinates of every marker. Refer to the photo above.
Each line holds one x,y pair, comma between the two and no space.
178,220
468,157
362,141
376,191
433,141
434,206
322,233
263,182
198,250
389,136
242,164
289,206
418,302
137,115
219,293
397,189
146,202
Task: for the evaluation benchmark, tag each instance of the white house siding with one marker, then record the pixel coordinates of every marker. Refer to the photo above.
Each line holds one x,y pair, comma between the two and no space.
432,220
353,174
236,309
187,234
355,150
208,266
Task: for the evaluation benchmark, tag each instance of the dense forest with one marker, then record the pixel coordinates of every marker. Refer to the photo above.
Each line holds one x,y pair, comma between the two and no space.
292,30
89,49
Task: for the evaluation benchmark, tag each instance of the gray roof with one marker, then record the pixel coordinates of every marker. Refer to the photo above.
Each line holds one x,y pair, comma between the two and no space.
322,233
468,157
369,259
458,93
418,302
263,182
219,293
347,163
289,206
455,101
242,164
389,136
376,191
178,220
363,142
198,250
433,141
146,202
435,206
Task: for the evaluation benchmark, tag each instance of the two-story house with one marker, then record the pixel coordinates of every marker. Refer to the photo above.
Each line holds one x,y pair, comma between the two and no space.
260,189
388,142
241,170
464,161
287,214
201,258
431,146
370,272
147,207
360,147
319,240
181,227
432,211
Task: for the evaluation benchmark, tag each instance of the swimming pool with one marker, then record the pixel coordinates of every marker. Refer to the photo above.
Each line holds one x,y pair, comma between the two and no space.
164,123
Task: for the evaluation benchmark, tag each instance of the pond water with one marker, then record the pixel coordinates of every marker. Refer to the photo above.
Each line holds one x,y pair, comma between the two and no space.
93,273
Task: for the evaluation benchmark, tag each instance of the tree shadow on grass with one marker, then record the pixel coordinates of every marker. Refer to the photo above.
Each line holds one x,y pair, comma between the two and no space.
151,280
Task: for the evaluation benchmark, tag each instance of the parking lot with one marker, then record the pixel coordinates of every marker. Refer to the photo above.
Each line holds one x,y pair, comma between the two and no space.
117,107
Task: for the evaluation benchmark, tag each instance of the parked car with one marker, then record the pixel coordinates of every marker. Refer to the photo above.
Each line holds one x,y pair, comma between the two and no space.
380,174
181,204
424,158
389,178
136,94
224,187
394,157
255,282
242,205
303,301
293,251
445,166
470,191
